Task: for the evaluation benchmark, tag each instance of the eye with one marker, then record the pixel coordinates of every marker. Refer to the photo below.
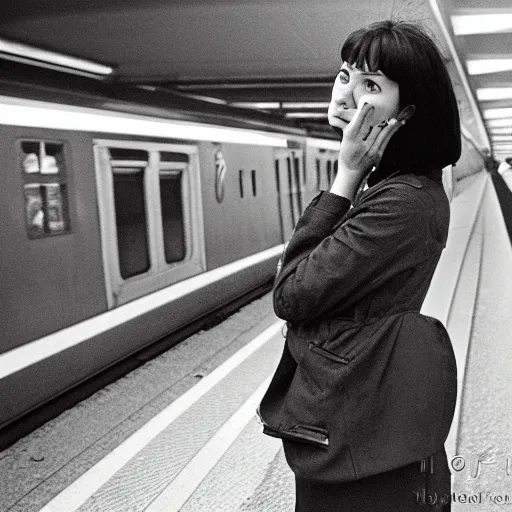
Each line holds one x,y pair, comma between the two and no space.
344,76
371,86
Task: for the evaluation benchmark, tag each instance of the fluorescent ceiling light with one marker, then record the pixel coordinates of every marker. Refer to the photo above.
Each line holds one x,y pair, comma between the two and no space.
484,66
307,115
497,113
324,144
501,138
494,93
499,123
39,114
256,104
29,54
501,131
278,105
464,24
311,104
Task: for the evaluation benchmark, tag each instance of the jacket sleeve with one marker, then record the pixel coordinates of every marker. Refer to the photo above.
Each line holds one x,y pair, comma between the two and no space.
322,267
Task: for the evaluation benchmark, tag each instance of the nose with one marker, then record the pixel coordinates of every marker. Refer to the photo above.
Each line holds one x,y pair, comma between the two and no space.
343,97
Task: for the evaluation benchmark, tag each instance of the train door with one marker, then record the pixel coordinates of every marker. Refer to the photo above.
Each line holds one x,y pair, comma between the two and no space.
290,183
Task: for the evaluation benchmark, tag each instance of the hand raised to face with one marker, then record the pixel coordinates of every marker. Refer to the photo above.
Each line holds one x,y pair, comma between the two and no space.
363,145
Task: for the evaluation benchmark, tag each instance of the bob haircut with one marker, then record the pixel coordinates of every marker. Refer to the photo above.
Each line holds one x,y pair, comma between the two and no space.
431,139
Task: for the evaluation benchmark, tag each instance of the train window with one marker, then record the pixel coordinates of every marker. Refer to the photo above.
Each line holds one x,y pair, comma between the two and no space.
318,178
128,154
151,211
329,171
253,180
44,188
171,199
166,156
241,182
130,213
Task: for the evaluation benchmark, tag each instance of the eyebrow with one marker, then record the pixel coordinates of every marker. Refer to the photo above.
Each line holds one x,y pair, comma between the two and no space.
366,73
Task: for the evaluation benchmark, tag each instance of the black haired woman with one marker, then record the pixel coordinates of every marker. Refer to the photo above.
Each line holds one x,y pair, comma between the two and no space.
365,391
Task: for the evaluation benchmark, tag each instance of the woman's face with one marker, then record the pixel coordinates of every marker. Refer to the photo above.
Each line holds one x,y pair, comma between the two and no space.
353,86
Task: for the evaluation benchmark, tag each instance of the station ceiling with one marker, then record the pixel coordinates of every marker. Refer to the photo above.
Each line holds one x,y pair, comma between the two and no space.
280,56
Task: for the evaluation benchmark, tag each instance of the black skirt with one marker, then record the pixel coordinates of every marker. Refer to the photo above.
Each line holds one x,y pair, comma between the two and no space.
423,486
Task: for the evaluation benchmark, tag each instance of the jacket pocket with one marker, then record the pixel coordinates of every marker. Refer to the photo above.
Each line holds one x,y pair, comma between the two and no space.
317,349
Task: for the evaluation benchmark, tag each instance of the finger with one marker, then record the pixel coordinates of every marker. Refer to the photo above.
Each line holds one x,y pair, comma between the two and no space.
385,135
375,132
361,120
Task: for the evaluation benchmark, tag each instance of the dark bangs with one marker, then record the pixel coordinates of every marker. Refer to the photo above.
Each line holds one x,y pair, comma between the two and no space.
381,49
408,56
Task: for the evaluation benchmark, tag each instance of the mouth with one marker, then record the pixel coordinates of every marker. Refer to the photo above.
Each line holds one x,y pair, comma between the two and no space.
345,115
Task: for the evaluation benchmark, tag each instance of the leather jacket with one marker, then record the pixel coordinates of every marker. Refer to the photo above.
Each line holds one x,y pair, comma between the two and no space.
365,383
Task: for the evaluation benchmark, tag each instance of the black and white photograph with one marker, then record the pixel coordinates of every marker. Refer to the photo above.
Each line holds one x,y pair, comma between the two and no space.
256,256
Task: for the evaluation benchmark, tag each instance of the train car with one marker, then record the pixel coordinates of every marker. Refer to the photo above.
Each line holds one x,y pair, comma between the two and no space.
125,222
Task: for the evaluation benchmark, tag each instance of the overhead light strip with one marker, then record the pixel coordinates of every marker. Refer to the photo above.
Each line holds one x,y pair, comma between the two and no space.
11,49
306,115
485,66
306,104
286,105
500,123
21,112
465,24
501,138
501,131
263,105
333,145
494,93
462,74
295,83
497,113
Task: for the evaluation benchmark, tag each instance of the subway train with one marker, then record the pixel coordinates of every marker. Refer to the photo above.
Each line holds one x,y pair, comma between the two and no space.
127,217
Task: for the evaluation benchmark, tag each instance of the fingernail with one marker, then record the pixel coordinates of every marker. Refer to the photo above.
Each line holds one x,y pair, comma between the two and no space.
406,113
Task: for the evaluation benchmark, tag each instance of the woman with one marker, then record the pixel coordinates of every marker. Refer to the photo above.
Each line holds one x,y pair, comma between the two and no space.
364,394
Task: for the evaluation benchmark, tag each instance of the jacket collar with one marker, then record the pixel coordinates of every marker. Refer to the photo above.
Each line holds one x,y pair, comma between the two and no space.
396,177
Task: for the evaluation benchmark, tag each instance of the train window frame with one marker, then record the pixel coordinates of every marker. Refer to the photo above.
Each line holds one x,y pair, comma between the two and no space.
43,182
160,273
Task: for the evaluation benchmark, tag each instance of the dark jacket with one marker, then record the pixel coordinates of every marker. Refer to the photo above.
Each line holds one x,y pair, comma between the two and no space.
365,383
